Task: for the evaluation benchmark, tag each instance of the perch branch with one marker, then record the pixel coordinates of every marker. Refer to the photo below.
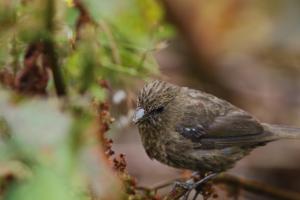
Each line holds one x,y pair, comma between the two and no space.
256,187
247,185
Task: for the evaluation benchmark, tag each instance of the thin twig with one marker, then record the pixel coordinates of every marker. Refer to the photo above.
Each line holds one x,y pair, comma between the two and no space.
160,185
163,185
57,76
83,18
111,41
176,192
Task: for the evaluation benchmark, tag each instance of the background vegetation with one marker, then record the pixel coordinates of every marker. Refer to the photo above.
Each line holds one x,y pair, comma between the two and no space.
69,71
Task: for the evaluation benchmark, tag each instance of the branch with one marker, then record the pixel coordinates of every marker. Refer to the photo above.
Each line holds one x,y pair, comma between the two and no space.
50,52
83,18
247,185
165,184
256,187
53,63
176,192
111,42
159,186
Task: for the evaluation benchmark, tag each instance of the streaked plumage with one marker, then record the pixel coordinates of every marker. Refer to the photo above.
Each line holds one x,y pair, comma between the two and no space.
190,129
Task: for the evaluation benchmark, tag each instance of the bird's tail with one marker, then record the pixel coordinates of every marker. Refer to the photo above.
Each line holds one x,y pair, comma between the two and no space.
281,132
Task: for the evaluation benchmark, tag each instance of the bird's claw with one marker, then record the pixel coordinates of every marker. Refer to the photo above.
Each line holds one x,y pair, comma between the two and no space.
204,180
189,185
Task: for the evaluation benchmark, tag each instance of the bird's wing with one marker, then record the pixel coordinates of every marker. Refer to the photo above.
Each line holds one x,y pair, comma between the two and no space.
232,124
234,127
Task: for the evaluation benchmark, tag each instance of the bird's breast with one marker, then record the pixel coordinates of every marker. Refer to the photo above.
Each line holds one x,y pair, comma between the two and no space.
154,142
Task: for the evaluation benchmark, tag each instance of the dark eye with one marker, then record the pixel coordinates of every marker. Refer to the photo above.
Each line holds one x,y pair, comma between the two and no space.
159,109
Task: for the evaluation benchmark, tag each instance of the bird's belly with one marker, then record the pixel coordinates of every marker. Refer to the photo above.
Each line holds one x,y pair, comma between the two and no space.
203,160
184,155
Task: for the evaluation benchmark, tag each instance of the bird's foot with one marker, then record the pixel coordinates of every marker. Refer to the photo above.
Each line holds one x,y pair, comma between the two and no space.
187,185
190,185
199,183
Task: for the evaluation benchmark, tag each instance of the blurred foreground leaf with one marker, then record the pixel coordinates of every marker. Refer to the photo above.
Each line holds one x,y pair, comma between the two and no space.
48,151
45,184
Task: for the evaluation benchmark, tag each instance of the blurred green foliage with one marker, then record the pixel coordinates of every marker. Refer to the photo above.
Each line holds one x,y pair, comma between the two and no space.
119,40
43,139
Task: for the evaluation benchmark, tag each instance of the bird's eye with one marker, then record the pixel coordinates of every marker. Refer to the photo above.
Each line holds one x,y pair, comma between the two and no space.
156,110
159,109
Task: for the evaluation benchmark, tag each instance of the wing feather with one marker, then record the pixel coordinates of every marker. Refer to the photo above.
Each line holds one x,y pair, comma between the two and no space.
230,127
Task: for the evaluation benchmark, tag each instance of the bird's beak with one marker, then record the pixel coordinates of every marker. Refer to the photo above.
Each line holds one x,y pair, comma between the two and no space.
138,115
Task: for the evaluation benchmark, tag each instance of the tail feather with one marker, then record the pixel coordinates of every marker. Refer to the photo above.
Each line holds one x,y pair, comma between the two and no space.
282,132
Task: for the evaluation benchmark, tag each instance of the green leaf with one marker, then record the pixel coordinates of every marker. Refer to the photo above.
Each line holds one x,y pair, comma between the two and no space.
45,184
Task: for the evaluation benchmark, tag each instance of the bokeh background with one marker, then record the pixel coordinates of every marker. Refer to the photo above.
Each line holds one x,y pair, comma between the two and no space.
67,67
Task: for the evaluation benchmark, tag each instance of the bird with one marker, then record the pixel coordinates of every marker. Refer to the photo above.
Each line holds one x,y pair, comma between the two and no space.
191,129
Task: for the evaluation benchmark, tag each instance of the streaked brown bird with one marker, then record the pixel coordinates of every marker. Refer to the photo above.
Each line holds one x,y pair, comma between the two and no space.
191,129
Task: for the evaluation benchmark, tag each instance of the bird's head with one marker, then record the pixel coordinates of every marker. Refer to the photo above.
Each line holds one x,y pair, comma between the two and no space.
153,101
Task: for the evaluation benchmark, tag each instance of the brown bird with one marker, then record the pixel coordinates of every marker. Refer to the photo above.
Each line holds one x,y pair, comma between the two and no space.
191,129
